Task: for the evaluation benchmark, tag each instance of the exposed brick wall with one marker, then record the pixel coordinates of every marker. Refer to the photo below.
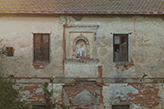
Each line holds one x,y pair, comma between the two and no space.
77,87
32,93
147,96
73,91
125,65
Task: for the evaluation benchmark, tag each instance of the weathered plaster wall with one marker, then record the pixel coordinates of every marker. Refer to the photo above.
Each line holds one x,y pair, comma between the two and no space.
145,44
17,32
146,51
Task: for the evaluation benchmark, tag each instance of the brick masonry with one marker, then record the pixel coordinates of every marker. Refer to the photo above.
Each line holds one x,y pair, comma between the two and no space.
147,96
138,95
72,90
32,93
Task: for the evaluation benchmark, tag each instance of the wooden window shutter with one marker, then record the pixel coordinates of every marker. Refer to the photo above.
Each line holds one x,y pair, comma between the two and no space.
37,48
45,47
41,47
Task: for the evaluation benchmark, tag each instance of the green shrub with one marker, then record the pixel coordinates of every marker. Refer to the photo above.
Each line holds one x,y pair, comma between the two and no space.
10,97
47,95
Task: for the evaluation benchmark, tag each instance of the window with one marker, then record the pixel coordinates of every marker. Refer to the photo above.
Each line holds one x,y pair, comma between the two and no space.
10,51
120,106
39,106
120,47
41,47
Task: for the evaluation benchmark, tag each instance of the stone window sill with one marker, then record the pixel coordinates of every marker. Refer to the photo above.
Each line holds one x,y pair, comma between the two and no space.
81,61
121,63
40,65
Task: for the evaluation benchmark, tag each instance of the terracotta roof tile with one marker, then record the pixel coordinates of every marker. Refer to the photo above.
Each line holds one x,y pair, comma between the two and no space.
83,6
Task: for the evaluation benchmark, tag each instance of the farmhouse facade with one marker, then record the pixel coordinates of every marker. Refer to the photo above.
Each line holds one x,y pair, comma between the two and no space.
95,54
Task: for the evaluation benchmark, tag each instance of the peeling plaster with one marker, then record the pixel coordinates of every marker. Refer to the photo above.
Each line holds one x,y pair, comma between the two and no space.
115,92
57,91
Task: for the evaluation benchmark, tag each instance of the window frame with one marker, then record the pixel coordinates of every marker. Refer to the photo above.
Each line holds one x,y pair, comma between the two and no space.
10,51
34,61
127,56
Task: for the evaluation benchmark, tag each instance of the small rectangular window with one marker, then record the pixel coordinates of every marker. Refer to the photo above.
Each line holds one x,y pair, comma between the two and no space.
120,47
10,51
41,47
39,106
120,106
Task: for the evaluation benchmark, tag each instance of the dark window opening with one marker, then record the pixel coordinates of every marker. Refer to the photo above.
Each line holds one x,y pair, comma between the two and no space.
10,51
41,47
39,106
120,47
120,106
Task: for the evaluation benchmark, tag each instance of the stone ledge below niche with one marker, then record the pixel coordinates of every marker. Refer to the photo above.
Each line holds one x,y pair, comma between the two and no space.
81,61
40,65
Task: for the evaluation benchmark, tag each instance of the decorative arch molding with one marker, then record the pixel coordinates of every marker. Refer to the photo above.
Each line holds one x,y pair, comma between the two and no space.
77,35
81,37
85,39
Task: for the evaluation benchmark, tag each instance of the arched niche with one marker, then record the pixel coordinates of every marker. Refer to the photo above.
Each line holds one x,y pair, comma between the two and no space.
81,47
